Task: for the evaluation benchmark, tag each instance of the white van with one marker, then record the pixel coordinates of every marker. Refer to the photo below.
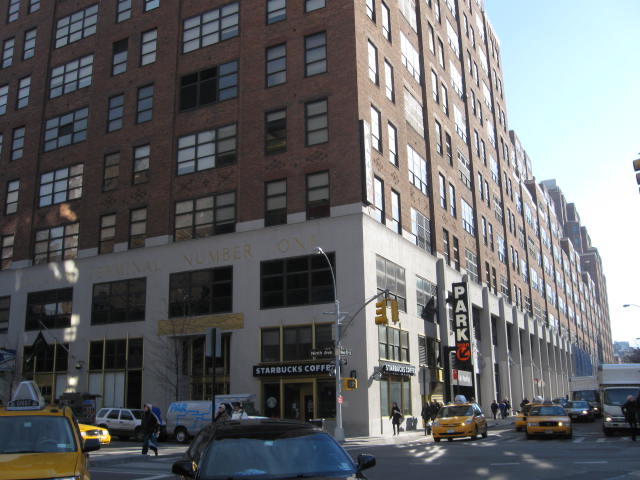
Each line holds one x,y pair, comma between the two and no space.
186,418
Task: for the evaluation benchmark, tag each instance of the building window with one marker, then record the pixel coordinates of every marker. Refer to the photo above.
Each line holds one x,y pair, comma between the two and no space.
13,195
118,302
7,52
443,191
5,304
447,148
66,129
151,4
386,23
389,87
201,292
438,135
208,86
393,344
141,160
34,6
371,9
440,53
376,129
206,216
297,342
49,309
315,54
4,98
445,99
123,11
107,233
417,167
115,113
276,65
210,27
208,149
275,203
111,171
295,281
395,223
456,253
276,131
445,246
29,46
421,229
144,110
61,185
137,227
373,62
378,200
71,76
276,11
311,5
467,217
14,11
318,205
392,133
6,251
24,87
17,143
148,46
56,243
390,276
413,112
425,293
410,57
77,26
316,122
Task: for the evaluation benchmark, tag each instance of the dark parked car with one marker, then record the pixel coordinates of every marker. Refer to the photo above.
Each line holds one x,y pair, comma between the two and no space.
580,410
268,448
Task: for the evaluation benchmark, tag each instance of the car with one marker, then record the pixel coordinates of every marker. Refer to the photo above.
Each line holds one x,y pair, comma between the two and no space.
91,431
40,440
459,419
562,401
121,422
548,419
580,410
255,448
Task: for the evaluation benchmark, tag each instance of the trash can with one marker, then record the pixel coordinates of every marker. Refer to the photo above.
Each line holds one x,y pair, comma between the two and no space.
318,422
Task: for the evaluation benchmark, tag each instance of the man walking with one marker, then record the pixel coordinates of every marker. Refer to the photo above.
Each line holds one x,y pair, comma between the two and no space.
150,425
426,418
631,411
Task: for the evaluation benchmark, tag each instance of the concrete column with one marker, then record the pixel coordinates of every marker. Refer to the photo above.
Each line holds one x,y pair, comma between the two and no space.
515,360
446,333
485,350
501,352
526,359
544,360
536,358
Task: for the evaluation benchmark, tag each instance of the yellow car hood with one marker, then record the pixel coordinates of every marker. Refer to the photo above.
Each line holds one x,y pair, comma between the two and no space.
458,419
17,466
548,418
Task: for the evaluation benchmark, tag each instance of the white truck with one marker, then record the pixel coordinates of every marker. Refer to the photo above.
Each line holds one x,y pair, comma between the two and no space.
617,381
586,388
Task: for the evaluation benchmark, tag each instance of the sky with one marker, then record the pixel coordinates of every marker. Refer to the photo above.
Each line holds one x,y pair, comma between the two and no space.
571,71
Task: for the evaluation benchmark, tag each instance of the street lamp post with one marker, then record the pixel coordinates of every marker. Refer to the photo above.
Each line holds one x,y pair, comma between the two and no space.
339,431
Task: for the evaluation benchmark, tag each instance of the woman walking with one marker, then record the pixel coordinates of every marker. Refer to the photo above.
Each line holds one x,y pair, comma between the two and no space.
396,418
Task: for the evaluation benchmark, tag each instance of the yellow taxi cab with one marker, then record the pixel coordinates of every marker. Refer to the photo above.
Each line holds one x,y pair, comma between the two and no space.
91,431
521,418
38,441
548,419
459,419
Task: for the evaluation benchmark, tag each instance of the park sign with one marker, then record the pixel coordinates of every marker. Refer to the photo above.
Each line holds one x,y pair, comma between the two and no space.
462,325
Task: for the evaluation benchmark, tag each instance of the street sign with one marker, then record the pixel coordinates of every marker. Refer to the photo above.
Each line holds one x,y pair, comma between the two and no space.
340,399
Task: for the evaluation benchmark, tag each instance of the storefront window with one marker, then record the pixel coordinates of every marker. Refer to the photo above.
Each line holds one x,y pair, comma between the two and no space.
395,389
326,398
271,399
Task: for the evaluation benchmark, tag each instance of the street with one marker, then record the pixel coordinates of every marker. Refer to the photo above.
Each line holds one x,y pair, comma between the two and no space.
504,455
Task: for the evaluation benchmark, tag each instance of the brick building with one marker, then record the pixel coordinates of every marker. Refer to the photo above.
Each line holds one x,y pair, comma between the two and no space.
170,166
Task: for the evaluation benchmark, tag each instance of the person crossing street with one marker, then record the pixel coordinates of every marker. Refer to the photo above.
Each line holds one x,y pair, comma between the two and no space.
150,426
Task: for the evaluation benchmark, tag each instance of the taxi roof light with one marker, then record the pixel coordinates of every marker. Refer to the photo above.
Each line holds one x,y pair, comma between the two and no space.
27,397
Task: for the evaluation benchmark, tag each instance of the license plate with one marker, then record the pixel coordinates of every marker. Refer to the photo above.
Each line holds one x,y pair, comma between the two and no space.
549,432
451,430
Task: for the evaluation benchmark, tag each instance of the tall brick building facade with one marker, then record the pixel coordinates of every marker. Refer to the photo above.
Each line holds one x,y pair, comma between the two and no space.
170,166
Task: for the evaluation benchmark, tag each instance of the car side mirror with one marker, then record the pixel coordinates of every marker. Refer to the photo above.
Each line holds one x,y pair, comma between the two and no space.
90,445
365,461
184,468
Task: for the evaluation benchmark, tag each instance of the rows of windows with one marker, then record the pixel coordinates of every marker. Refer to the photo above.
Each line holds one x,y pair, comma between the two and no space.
295,343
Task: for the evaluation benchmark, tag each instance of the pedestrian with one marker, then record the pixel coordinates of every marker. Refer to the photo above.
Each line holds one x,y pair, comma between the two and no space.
222,415
435,407
631,411
396,418
503,409
426,417
523,403
507,407
150,426
238,412
494,408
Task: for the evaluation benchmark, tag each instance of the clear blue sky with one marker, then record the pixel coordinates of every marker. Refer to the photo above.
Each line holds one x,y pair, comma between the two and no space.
572,83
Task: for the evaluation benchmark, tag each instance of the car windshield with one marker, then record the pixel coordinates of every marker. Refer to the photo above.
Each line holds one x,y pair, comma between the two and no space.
547,410
36,434
263,457
587,395
455,411
579,404
137,414
617,396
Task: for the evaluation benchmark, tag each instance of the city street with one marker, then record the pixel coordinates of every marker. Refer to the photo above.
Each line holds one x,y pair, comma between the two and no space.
504,455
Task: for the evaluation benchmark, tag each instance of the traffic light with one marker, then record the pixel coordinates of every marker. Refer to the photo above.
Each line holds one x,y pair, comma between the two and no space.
636,167
349,383
394,310
381,313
